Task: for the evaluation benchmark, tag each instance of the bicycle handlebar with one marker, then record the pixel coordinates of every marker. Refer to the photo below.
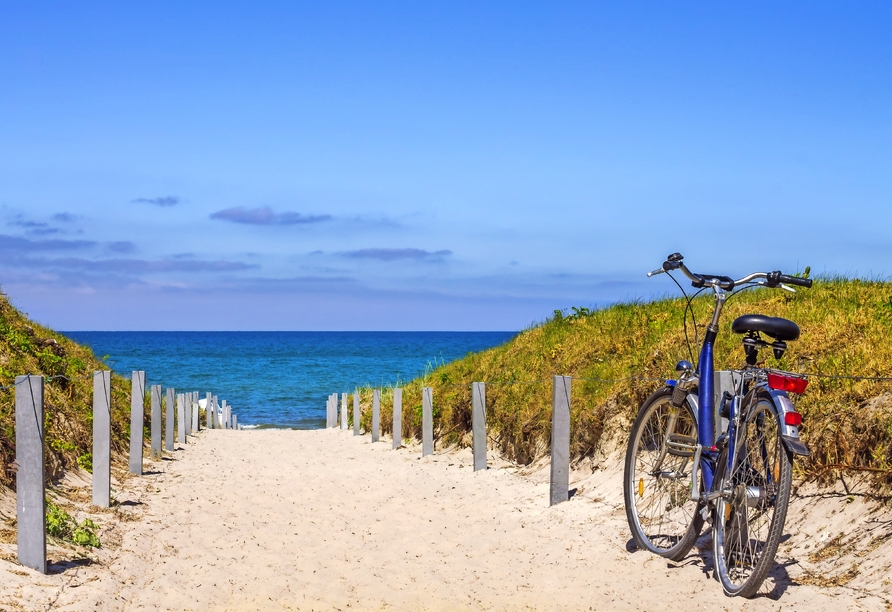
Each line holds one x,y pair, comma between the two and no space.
773,279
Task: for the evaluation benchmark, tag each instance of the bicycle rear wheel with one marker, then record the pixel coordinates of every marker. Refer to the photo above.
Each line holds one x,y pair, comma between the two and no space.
750,515
657,479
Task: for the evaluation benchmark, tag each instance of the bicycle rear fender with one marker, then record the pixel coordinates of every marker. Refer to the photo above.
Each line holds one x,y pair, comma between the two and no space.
789,433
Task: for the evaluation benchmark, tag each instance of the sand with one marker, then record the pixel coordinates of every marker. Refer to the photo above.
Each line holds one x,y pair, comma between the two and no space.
323,520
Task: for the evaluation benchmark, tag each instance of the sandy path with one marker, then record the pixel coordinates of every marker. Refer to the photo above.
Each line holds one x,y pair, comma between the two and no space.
320,520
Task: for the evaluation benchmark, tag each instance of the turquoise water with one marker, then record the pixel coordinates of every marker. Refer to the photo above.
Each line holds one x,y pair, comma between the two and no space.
281,379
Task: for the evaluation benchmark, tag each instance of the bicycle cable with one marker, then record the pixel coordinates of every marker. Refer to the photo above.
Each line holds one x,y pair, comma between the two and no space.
688,306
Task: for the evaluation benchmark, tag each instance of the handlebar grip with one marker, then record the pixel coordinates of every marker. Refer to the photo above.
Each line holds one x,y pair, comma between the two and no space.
795,280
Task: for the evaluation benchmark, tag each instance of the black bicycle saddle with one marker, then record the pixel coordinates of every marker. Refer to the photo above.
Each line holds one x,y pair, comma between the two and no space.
777,328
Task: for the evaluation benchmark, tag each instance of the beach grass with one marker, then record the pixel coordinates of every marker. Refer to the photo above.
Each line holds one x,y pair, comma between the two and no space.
29,348
846,330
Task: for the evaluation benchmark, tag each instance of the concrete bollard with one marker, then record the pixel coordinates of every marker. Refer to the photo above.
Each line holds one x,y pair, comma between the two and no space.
137,416
208,408
427,421
560,440
181,418
169,411
30,472
376,415
187,414
478,424
356,413
156,422
397,418
343,411
102,438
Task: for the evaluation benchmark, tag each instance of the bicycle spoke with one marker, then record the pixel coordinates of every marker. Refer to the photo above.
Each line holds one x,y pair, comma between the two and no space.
658,480
751,513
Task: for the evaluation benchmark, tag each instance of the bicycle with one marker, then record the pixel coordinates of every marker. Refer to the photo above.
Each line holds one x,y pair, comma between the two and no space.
680,472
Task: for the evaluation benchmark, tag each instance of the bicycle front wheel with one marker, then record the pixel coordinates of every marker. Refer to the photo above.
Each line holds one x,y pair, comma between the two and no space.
750,514
657,478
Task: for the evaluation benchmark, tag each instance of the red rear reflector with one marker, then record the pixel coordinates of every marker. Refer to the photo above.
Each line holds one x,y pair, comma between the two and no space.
793,418
780,382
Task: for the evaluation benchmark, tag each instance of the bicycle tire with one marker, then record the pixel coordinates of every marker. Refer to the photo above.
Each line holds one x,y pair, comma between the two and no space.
750,516
662,517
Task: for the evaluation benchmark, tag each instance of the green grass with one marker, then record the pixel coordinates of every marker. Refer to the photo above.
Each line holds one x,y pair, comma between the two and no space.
60,525
29,348
846,329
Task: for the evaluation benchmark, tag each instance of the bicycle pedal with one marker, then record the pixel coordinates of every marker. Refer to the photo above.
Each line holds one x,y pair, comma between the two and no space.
706,513
681,446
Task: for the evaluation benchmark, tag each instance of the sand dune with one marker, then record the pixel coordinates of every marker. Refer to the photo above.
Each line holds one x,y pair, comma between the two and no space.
322,520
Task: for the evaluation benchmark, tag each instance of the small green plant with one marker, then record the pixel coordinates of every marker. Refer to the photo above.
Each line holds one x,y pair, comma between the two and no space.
58,522
60,525
85,534
86,462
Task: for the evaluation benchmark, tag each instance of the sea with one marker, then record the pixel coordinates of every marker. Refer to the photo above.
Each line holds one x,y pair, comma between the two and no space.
281,379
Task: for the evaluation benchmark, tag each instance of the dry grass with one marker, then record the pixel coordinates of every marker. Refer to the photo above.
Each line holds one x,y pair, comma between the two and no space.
28,348
846,327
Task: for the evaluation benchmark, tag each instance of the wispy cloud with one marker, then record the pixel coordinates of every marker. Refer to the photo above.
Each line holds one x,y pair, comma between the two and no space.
26,245
266,216
126,266
66,217
398,254
27,223
159,201
121,246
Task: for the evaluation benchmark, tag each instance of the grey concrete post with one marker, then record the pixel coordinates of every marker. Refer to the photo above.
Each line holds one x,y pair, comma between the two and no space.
187,410
137,415
724,380
169,411
376,415
181,418
356,413
30,479
427,421
560,440
343,411
102,438
208,409
397,418
235,422
156,422
478,424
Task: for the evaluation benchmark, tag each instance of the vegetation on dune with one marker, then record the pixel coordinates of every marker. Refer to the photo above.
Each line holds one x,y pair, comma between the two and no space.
846,327
29,348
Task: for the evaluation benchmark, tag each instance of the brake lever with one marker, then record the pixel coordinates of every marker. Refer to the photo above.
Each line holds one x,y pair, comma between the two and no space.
655,272
787,287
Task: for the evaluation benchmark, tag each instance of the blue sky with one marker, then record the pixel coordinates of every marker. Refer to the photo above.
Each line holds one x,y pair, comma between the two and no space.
384,165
